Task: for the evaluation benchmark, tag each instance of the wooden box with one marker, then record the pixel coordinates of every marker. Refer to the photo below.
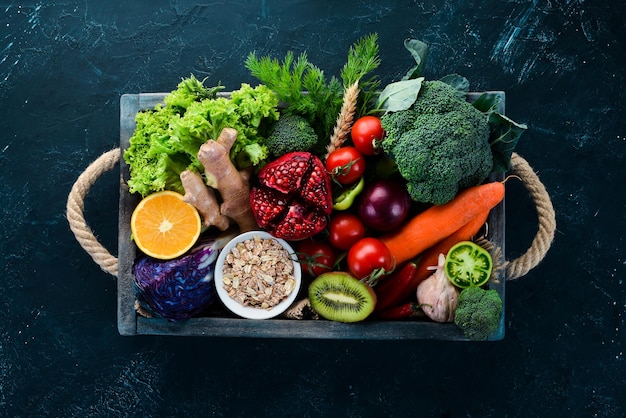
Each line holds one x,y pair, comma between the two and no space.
223,324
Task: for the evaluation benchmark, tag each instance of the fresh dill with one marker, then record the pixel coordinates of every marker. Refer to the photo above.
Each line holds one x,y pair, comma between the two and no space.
305,89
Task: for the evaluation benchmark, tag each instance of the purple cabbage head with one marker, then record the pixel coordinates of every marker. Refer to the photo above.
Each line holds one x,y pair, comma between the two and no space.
180,288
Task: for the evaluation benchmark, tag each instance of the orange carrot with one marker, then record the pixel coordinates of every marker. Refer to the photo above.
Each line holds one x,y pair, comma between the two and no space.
430,256
393,292
438,222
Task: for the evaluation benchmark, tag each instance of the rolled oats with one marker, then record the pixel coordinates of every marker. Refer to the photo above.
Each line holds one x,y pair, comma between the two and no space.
258,272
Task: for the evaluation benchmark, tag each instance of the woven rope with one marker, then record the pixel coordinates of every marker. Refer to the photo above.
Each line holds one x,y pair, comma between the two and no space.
514,269
76,204
546,217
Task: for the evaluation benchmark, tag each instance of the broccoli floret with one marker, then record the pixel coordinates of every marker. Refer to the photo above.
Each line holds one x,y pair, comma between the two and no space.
395,124
289,133
478,312
438,97
440,144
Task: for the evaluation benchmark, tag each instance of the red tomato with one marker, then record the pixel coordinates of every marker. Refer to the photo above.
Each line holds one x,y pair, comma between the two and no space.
367,133
345,229
316,257
367,255
346,165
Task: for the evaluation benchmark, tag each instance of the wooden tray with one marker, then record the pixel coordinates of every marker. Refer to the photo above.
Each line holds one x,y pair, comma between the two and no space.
222,324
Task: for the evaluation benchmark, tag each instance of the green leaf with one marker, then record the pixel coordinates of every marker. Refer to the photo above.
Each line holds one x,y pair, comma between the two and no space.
460,83
399,95
419,51
504,133
487,102
503,137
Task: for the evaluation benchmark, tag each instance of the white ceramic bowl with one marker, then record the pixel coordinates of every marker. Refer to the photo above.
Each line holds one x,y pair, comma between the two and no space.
249,311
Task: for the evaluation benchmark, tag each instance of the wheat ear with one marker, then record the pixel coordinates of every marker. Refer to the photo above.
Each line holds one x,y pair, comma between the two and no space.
345,118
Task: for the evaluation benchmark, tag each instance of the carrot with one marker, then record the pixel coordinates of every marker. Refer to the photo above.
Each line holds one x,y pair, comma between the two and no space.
438,222
394,290
430,256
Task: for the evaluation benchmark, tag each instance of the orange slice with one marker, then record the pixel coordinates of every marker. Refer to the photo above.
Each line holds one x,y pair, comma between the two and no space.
164,226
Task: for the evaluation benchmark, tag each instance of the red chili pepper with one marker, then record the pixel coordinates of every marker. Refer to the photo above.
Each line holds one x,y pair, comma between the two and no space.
406,310
394,288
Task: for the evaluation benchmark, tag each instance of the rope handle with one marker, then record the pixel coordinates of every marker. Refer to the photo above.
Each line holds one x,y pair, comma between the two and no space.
545,215
76,205
109,263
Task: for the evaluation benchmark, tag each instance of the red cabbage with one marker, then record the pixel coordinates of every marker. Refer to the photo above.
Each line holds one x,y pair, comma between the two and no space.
181,288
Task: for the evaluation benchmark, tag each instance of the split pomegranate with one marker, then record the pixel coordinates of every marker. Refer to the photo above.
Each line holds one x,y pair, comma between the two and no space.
293,198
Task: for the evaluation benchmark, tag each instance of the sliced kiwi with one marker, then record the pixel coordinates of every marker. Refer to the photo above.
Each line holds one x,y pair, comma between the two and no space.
339,296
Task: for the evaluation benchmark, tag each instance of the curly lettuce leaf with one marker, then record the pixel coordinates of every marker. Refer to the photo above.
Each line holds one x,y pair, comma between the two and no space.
150,157
255,104
190,90
167,138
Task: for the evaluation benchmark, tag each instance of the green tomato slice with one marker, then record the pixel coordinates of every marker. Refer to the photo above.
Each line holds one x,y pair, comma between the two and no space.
468,264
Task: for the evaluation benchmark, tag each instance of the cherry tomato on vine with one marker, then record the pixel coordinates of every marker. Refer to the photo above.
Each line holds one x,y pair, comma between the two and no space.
345,229
367,134
368,255
346,165
316,257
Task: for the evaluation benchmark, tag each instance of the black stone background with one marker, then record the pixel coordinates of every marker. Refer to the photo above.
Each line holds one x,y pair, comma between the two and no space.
64,65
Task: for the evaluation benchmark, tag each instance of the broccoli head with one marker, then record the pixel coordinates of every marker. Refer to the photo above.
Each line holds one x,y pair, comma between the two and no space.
440,144
478,312
289,133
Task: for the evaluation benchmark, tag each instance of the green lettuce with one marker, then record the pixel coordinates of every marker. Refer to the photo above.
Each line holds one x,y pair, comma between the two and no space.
167,138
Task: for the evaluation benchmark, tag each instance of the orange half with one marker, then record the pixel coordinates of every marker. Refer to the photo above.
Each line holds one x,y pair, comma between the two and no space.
164,226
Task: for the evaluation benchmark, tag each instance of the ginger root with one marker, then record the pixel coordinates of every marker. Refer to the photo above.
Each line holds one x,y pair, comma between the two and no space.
203,198
233,186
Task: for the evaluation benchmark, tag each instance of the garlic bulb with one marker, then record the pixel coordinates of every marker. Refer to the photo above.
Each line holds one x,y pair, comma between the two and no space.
438,297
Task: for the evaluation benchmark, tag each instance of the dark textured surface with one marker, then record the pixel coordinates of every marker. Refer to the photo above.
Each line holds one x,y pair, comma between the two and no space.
64,66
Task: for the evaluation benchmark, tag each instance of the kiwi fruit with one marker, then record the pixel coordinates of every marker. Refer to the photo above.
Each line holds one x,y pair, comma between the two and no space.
339,296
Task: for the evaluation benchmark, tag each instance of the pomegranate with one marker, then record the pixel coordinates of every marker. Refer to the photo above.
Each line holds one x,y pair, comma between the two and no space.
294,197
